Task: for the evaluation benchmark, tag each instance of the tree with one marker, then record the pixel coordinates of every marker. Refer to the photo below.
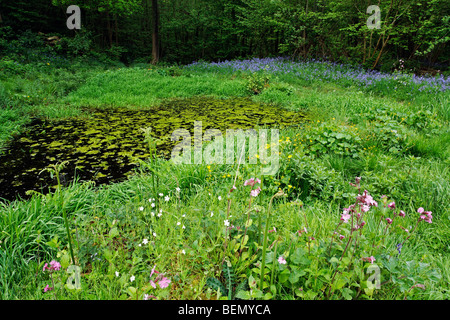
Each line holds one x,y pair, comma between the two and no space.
155,32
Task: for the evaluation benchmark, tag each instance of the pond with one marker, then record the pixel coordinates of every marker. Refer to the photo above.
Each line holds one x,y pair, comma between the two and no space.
103,147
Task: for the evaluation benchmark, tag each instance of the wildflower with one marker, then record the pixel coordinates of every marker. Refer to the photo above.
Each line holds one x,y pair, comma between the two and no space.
154,234
273,230
177,189
153,205
369,259
166,198
178,223
341,237
420,210
159,214
164,283
365,208
427,216
183,251
251,182
391,205
145,241
117,274
54,265
281,260
345,217
219,197
226,223
47,288
132,278
141,208
399,248
389,220
161,194
255,192
402,213
212,213
183,227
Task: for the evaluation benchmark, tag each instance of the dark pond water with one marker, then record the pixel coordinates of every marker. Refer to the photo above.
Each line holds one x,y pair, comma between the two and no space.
103,146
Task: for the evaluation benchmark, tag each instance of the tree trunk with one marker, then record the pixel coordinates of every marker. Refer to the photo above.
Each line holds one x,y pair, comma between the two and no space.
110,36
155,33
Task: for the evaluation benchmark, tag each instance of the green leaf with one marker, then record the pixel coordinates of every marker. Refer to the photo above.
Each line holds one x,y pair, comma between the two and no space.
114,232
284,275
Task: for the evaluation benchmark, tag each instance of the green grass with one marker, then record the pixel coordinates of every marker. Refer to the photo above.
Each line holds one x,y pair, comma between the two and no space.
399,148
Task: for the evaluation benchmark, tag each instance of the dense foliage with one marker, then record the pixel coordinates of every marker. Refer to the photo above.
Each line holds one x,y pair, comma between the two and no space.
413,35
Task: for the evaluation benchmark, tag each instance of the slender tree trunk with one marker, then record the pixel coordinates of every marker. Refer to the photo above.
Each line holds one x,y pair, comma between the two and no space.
155,34
116,29
108,25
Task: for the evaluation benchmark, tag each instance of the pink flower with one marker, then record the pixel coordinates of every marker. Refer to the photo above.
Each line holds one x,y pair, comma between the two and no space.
255,192
389,220
428,217
153,284
281,260
55,265
365,208
341,237
47,288
164,283
273,230
370,259
345,217
251,182
367,199
402,213
391,205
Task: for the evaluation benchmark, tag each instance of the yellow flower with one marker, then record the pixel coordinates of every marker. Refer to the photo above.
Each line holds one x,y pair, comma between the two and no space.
289,156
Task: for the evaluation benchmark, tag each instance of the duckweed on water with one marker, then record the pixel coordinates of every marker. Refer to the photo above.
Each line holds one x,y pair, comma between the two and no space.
105,146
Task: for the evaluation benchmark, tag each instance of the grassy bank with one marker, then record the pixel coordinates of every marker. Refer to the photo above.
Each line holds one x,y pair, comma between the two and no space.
208,241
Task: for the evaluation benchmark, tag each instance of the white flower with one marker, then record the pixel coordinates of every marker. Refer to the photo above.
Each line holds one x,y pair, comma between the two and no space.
183,227
154,234
117,273
145,241
212,213
220,198
178,189
184,216
166,198
178,223
139,245
183,252
141,208
146,296
153,205
226,222
159,215
152,213
132,278
161,194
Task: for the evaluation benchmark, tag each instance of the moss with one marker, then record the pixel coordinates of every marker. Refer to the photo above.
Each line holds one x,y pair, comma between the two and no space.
104,146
